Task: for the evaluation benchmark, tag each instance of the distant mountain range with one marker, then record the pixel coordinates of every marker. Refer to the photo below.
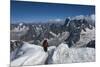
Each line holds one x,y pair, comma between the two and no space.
39,31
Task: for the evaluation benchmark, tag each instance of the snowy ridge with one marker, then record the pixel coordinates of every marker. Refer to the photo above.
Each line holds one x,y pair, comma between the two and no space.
35,55
31,55
90,19
63,54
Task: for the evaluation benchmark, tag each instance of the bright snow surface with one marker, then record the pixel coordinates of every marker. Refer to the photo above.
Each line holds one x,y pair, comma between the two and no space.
63,54
30,55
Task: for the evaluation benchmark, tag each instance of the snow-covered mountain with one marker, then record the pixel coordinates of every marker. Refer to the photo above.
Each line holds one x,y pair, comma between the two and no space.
20,27
65,55
89,19
27,40
30,54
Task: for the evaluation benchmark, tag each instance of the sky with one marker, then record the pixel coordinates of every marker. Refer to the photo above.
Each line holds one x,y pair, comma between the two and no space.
22,11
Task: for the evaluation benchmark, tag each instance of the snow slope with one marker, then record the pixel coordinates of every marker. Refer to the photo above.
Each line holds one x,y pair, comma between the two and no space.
51,50
30,55
63,54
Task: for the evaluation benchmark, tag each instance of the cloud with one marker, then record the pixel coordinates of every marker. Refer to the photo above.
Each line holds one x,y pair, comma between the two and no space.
57,20
93,17
78,17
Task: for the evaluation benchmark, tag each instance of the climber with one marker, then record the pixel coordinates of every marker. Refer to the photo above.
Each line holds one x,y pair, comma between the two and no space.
45,45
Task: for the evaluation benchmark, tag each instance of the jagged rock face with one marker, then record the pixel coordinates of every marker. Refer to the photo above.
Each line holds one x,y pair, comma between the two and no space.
86,37
76,26
63,54
15,44
91,44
